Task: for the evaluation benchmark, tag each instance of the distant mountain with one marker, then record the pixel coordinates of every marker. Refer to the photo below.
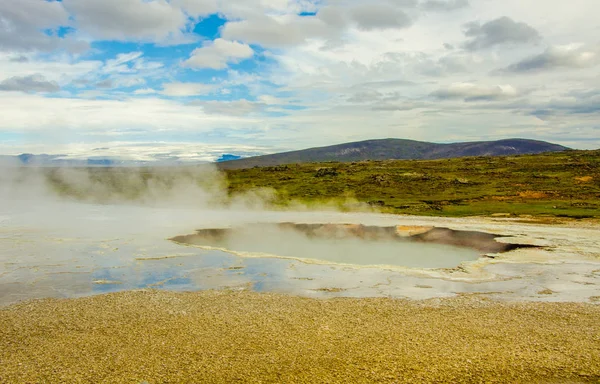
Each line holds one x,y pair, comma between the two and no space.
400,149
383,149
62,160
228,157
44,160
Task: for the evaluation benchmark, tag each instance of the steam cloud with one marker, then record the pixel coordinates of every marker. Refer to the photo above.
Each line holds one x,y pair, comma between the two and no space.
198,187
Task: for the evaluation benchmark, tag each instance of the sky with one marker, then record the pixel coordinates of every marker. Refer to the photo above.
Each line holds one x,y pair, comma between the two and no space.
193,79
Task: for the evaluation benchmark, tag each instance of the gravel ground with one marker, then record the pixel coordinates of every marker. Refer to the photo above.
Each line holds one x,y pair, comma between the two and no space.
225,336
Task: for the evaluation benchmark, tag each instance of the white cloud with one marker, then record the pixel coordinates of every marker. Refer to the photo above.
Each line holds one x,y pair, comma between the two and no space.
230,108
153,20
33,14
130,81
125,70
402,68
444,5
106,83
379,16
177,89
121,82
244,9
276,31
218,54
475,92
286,28
61,69
502,30
118,64
33,83
145,91
21,24
270,100
141,64
570,56
197,8
62,117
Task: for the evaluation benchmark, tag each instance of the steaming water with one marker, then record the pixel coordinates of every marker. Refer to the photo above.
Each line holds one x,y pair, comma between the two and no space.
273,241
71,250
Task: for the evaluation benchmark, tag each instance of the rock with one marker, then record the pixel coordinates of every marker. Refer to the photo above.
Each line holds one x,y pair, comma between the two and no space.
546,292
410,230
278,168
382,180
322,172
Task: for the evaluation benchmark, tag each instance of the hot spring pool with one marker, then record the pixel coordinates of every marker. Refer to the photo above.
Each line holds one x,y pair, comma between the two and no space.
74,250
332,244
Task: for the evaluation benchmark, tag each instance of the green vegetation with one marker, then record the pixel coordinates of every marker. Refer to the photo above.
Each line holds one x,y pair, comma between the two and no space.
559,184
562,184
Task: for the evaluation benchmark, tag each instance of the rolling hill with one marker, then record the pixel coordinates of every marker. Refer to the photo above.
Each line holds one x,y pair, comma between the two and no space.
399,149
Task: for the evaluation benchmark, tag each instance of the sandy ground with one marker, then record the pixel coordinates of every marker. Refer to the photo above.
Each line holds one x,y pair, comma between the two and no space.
226,336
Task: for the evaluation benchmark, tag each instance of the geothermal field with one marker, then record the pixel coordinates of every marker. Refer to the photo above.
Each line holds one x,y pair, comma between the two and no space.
172,286
299,191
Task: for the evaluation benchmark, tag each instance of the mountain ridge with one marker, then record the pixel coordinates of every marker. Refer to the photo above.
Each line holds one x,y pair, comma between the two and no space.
397,149
374,149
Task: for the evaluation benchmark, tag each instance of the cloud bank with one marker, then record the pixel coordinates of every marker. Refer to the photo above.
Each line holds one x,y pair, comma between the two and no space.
295,73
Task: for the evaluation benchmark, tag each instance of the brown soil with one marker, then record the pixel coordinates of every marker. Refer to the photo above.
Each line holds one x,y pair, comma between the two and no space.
533,195
224,337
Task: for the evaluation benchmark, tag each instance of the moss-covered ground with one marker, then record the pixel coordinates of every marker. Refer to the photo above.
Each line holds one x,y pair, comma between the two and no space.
563,184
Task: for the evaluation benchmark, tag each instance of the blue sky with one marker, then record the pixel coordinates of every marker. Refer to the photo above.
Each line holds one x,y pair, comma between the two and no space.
193,79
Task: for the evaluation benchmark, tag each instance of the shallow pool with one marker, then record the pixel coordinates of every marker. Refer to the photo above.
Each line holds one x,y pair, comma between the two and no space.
331,244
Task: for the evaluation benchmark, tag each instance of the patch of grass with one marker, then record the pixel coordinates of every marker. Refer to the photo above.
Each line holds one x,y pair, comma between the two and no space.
565,184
